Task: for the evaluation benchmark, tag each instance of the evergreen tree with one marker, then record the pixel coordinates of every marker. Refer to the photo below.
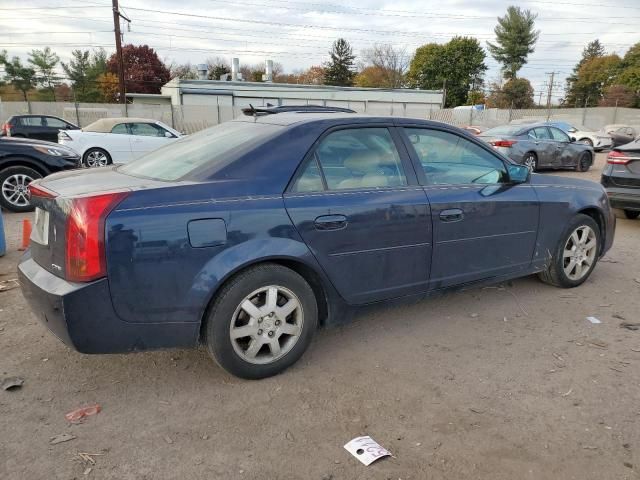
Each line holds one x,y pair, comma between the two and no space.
575,90
339,71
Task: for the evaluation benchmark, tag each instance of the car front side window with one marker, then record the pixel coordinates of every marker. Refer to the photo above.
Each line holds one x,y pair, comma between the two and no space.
54,122
559,135
542,133
448,159
355,158
146,130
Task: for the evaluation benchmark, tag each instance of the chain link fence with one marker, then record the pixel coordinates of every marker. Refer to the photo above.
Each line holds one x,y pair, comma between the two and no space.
192,118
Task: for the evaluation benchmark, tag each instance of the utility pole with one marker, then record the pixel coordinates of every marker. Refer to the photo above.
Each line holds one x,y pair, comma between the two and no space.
549,92
116,28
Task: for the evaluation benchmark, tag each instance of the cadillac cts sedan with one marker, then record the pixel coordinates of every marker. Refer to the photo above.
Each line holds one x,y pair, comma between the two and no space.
248,236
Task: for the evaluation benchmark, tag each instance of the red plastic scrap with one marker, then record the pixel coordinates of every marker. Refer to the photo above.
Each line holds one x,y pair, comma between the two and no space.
79,413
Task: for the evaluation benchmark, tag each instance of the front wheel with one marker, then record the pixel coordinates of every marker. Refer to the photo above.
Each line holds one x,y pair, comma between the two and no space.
576,254
632,214
96,157
261,322
586,141
14,191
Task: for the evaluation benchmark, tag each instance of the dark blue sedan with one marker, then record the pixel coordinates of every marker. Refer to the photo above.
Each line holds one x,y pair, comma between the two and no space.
249,235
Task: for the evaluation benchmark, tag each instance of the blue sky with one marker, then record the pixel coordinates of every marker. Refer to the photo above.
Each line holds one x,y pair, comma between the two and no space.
299,34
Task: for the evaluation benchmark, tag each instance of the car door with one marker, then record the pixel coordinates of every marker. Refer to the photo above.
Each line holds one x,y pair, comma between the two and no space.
52,127
146,137
117,143
483,225
565,153
357,205
545,147
32,127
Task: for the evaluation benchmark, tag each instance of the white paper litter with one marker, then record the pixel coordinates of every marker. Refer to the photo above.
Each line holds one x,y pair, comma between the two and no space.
593,320
366,449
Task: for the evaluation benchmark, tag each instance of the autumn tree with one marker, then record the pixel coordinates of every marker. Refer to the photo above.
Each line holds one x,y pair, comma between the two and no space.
516,37
44,62
340,69
629,74
515,93
618,96
144,71
385,67
458,65
109,87
594,76
575,90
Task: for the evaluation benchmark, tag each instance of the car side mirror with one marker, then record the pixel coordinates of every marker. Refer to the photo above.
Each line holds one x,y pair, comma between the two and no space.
168,134
573,139
518,173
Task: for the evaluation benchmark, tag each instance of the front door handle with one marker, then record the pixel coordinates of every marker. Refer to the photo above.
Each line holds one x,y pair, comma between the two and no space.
330,222
452,215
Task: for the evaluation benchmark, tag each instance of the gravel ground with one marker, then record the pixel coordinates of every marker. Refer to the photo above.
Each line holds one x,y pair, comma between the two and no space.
495,383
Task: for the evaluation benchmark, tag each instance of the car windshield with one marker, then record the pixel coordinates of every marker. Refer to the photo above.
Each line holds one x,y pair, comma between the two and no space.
503,130
206,149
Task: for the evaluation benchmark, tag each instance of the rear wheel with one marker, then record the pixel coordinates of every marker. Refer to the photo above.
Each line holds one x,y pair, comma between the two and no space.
96,157
576,254
14,194
261,322
531,161
632,214
584,162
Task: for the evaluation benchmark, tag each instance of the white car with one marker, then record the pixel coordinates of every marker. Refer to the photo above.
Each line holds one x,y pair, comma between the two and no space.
598,140
117,140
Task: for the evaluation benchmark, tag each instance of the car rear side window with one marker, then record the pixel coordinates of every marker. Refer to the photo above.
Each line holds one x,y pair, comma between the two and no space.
121,129
209,149
354,158
31,122
448,159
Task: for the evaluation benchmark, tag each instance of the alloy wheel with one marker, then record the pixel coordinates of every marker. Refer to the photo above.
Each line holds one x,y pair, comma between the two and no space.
15,189
266,325
96,158
579,252
530,162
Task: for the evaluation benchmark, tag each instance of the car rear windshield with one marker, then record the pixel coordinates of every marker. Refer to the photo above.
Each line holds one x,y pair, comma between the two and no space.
503,130
203,151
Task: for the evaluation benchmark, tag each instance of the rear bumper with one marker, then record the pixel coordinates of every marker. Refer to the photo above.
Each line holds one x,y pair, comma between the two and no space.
624,198
82,315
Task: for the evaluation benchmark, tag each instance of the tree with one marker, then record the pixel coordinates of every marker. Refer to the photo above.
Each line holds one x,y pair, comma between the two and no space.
109,87
629,75
217,67
44,62
186,71
459,62
575,91
21,77
390,66
618,96
593,77
370,77
515,93
339,70
515,40
83,70
144,71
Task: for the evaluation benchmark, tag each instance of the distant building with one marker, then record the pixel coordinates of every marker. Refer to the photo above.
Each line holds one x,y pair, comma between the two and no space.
235,94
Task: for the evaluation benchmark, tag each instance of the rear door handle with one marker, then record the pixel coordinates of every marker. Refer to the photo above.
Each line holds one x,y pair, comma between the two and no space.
330,222
452,215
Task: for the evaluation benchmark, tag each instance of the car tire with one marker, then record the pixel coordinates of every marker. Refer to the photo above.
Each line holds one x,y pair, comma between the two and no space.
96,157
274,339
584,162
530,160
632,214
13,179
586,141
560,272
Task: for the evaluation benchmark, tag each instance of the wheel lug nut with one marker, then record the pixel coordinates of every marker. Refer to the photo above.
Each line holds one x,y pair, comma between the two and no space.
260,320
277,322
271,334
260,332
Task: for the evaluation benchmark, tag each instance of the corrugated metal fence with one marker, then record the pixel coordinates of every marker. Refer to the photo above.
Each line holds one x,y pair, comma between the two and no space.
192,118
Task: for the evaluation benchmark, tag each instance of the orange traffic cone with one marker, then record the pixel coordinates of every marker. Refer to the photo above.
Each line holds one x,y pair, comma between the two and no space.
26,234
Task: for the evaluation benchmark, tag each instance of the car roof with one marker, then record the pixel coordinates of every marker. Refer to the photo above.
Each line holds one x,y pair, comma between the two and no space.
337,118
105,125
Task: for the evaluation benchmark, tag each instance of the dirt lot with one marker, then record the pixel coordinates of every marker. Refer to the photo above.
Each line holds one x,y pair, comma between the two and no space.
498,383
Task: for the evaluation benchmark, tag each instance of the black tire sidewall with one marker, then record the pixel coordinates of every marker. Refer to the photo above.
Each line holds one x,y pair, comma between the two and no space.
582,168
6,173
231,295
577,221
631,214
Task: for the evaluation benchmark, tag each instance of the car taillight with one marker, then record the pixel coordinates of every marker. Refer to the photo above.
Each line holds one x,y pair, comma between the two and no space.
618,158
85,243
6,129
503,143
38,191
